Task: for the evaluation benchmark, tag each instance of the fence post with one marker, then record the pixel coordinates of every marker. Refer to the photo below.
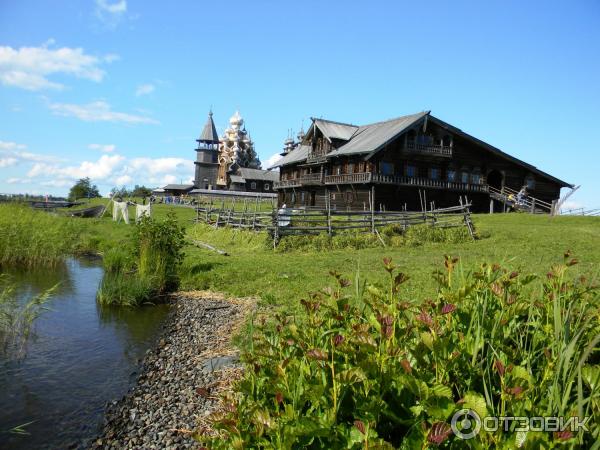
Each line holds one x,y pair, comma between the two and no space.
372,207
329,230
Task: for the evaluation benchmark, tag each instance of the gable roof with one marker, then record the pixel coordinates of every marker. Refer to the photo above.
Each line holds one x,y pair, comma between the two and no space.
258,174
373,137
498,152
297,155
209,133
335,130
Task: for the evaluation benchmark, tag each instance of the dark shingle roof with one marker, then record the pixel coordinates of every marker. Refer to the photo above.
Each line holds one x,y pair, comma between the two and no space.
335,130
209,133
178,187
297,155
257,174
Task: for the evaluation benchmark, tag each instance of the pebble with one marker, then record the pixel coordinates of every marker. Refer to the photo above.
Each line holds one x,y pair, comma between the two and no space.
165,396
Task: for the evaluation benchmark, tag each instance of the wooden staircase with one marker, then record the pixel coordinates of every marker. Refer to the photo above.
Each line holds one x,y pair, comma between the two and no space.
508,197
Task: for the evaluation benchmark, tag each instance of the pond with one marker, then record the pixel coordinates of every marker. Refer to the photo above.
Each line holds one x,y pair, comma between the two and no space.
79,357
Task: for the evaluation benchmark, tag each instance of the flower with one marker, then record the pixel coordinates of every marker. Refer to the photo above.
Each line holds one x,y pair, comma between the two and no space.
439,433
359,424
338,339
448,308
499,367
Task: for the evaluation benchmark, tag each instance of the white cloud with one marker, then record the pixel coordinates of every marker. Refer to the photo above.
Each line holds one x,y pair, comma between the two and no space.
29,67
110,13
144,89
98,111
112,170
7,162
272,160
104,148
12,150
16,180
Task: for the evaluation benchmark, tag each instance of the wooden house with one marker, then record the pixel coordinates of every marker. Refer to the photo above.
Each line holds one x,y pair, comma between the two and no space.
400,164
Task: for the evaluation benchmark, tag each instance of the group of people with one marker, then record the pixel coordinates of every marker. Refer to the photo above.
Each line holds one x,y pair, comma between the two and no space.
520,198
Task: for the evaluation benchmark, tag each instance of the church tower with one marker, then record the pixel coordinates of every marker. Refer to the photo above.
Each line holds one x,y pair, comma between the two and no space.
236,150
207,156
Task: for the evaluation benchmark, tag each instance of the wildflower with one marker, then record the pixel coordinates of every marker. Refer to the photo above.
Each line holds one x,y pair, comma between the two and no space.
279,398
564,435
359,424
572,262
497,289
405,363
425,318
439,433
516,391
513,275
499,367
317,354
448,308
338,339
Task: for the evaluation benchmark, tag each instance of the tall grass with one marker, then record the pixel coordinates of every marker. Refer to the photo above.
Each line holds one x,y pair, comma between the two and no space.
31,238
147,267
17,318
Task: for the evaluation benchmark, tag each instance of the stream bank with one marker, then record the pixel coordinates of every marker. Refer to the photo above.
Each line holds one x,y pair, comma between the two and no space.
181,377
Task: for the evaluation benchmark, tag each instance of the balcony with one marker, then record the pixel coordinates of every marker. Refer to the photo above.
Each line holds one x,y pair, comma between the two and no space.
311,179
429,149
317,179
316,158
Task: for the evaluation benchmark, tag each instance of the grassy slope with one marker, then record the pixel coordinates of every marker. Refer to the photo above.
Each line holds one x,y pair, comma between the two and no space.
532,242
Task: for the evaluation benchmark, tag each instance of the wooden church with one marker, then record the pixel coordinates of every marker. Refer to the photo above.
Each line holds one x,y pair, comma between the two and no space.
401,164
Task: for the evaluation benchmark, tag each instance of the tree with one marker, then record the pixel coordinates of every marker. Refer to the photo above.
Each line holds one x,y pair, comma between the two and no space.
83,189
141,191
120,192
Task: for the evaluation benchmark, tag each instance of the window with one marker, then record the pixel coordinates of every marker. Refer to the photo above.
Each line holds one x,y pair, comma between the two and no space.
350,167
267,186
530,182
476,178
349,197
205,181
253,185
451,175
464,176
411,171
387,168
302,198
337,170
434,173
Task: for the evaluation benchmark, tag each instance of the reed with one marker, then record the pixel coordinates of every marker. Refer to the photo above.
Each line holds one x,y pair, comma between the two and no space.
31,238
17,318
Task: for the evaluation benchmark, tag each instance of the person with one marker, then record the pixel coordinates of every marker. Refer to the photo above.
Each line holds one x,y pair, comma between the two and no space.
522,195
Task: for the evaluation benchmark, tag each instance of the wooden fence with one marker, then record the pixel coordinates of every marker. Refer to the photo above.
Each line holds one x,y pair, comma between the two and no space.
288,221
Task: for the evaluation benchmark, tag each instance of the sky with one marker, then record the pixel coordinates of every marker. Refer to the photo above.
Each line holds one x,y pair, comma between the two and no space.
118,90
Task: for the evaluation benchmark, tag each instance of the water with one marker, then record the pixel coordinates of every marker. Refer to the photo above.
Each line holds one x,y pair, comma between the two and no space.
80,357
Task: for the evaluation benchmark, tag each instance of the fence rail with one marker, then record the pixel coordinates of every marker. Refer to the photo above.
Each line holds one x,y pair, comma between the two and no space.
283,222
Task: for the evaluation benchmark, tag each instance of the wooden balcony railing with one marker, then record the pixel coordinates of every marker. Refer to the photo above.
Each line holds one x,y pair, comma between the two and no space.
430,149
368,177
364,177
287,183
316,158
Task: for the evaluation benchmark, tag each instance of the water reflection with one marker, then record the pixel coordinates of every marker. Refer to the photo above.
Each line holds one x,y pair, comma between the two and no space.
83,356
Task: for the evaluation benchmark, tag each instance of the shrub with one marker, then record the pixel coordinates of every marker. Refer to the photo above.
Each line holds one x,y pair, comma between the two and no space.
145,269
373,369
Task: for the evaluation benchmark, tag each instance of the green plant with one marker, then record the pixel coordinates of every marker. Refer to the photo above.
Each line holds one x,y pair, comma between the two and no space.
145,269
17,318
365,366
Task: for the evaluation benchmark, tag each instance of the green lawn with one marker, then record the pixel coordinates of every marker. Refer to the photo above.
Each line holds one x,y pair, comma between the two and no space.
518,240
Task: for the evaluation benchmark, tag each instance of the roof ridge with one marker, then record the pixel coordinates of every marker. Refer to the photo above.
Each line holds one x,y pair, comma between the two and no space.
336,122
396,118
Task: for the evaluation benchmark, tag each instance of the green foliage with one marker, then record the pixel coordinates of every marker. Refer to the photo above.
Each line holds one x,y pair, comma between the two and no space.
17,318
146,268
366,366
141,191
390,236
83,189
30,238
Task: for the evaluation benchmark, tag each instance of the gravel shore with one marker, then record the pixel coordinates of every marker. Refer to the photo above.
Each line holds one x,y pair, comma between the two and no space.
180,379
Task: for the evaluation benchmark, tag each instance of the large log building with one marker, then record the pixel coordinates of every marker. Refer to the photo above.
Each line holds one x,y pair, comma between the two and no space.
393,160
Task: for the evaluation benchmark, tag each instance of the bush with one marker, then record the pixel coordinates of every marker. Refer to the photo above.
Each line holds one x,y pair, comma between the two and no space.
145,269
377,370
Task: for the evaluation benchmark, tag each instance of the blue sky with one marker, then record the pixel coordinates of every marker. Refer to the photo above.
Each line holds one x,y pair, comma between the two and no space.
120,90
